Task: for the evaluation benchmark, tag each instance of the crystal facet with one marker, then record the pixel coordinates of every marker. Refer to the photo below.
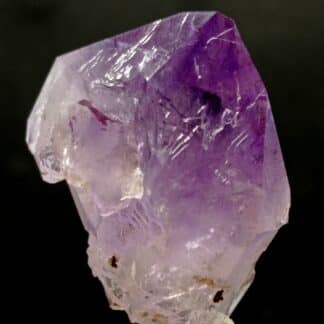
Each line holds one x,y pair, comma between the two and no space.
166,138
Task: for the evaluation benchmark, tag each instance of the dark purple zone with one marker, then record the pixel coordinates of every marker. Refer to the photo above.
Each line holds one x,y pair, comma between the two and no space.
205,71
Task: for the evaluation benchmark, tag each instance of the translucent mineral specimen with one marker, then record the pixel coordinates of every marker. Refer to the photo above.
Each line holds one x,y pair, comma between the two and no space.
166,139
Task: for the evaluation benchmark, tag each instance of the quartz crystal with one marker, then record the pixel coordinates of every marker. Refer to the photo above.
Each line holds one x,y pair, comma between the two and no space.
166,139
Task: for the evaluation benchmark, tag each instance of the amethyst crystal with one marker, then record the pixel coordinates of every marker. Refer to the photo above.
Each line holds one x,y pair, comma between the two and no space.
166,139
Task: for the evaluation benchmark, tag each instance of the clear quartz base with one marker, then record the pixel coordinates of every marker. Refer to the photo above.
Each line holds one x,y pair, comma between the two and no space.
223,319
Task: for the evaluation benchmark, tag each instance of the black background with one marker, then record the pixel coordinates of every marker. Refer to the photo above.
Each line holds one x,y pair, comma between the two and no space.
46,274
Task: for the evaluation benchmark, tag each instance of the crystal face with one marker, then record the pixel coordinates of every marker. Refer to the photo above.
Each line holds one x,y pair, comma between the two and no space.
166,138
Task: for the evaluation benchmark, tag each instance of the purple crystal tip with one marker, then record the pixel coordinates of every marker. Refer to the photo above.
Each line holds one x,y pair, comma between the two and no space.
166,138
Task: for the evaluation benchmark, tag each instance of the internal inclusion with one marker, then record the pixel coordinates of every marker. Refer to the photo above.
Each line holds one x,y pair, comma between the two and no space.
145,306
